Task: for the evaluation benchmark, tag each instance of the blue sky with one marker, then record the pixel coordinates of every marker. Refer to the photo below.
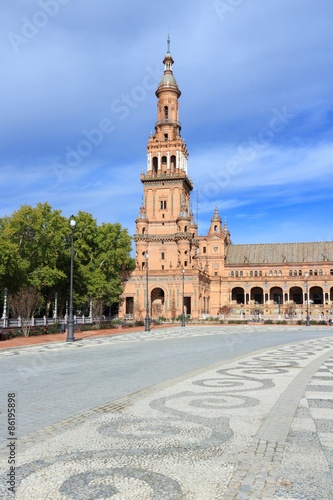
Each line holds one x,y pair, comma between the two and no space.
78,104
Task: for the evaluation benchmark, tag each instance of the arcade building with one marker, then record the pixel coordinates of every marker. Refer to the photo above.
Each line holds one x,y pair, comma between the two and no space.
177,271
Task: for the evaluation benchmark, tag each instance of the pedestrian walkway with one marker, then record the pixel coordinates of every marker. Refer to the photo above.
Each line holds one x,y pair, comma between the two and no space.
188,330
61,337
259,426
42,343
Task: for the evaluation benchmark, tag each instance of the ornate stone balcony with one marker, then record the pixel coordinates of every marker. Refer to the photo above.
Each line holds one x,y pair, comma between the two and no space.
168,121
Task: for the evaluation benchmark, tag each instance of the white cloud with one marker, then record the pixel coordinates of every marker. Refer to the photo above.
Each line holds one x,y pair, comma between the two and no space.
234,72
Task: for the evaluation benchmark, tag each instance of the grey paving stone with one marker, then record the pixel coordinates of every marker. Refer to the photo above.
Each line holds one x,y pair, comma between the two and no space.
199,435
324,425
320,388
321,403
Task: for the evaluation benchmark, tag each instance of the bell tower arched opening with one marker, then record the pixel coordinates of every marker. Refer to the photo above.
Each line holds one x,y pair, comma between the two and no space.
155,165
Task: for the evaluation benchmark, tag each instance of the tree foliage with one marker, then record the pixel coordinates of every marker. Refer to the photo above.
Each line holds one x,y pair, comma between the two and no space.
35,250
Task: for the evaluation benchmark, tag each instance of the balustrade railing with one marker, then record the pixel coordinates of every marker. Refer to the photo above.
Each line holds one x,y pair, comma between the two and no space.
78,320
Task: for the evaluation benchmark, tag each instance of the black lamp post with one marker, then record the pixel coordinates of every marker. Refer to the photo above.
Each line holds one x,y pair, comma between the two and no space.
279,304
70,322
183,314
147,321
4,314
307,300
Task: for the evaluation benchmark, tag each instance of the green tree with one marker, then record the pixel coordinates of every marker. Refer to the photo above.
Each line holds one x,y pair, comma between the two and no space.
12,267
102,259
38,234
35,249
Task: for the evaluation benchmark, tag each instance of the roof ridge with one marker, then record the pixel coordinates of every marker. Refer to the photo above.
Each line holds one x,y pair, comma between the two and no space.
284,243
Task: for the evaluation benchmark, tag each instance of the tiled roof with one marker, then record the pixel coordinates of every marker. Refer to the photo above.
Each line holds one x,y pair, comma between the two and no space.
279,253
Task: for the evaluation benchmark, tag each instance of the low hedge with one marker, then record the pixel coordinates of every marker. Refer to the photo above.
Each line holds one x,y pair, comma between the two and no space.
34,331
102,326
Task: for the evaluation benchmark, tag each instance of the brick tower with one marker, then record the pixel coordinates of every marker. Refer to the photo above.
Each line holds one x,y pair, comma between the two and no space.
178,271
166,233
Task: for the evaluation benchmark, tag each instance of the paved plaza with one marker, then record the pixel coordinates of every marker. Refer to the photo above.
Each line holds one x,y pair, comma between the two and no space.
259,425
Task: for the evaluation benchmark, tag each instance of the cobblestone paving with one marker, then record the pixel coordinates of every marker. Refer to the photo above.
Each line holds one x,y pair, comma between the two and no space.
166,333
307,470
259,426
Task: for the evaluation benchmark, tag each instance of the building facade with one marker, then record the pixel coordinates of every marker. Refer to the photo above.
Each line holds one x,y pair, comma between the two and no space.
179,271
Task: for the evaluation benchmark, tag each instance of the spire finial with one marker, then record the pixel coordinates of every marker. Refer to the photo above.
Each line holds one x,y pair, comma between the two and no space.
168,41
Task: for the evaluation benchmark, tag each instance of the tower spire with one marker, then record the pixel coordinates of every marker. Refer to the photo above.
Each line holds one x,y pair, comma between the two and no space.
167,153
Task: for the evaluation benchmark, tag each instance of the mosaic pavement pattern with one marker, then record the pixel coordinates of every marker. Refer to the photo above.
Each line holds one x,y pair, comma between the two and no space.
259,426
159,334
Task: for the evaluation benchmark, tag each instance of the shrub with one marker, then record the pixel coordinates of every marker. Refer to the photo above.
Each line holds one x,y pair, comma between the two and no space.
53,328
179,318
14,333
86,328
105,326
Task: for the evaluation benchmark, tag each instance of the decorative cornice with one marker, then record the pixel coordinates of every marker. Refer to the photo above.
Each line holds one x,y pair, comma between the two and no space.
166,237
172,178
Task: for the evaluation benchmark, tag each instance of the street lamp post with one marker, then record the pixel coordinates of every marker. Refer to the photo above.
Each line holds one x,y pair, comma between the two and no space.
4,314
307,300
55,310
279,304
147,321
183,314
90,309
70,323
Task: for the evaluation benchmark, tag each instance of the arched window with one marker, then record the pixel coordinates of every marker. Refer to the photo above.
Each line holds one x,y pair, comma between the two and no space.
271,273
215,229
295,272
155,164
275,273
166,112
290,272
236,274
315,272
300,272
251,274
320,272
241,274
232,274
143,230
280,273
310,272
